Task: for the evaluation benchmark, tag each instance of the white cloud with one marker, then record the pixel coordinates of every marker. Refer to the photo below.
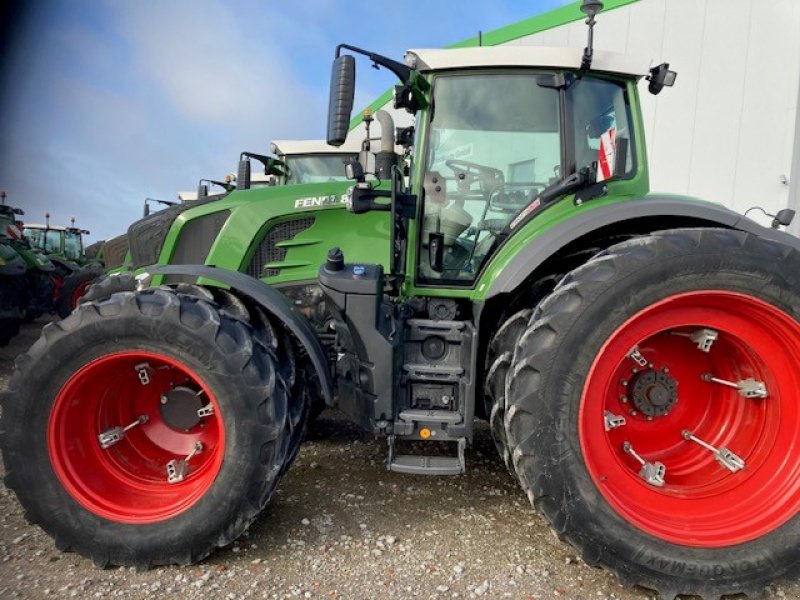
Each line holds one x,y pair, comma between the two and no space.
218,66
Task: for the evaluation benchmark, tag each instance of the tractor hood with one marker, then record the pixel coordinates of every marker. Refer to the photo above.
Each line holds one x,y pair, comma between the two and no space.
280,233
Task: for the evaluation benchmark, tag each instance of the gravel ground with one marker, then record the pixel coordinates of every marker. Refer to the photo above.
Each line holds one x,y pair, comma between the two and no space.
341,526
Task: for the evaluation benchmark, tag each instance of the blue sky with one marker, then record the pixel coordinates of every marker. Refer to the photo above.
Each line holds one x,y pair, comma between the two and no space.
105,102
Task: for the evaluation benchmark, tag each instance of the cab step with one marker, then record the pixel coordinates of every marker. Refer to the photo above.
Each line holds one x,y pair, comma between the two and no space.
413,464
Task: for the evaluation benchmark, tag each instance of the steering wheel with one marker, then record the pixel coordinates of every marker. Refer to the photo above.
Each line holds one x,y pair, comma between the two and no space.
468,172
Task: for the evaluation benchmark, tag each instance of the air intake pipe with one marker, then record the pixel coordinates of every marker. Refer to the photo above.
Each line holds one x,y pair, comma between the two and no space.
385,158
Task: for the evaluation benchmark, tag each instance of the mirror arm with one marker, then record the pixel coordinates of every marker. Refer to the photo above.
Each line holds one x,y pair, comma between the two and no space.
402,71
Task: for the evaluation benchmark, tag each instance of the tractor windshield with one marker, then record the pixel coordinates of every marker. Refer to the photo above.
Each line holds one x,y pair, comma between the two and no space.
73,248
46,240
496,142
316,168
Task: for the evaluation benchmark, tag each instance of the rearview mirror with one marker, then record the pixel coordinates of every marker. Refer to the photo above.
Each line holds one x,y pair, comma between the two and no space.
783,218
340,103
243,174
661,77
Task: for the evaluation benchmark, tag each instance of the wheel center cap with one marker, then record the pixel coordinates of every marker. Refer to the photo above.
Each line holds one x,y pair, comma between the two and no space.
179,408
653,392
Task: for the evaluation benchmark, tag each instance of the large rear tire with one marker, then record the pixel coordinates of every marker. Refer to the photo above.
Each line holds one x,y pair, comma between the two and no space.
148,361
638,332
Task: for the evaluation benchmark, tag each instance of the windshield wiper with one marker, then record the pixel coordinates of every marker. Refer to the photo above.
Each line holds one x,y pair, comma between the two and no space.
567,185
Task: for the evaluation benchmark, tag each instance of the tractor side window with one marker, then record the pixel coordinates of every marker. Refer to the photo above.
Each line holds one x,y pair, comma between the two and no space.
35,237
601,116
494,144
52,242
72,246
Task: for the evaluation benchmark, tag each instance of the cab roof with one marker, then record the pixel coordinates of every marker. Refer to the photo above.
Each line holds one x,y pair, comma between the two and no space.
41,226
525,56
293,147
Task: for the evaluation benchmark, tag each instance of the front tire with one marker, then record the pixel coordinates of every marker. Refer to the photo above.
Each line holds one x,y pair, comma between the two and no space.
124,362
627,335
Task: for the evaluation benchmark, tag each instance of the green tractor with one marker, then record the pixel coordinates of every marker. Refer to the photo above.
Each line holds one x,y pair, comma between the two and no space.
635,353
34,294
74,271
13,270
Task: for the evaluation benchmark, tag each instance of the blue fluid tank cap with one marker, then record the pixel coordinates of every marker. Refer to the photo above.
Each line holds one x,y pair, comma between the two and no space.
359,270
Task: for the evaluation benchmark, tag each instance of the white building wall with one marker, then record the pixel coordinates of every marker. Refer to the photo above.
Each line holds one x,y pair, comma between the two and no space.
727,131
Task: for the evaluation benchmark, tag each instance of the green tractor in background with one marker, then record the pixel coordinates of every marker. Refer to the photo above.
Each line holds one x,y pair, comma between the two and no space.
13,270
635,353
74,271
34,293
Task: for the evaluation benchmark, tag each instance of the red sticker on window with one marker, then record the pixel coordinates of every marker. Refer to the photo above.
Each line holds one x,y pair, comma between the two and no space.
606,155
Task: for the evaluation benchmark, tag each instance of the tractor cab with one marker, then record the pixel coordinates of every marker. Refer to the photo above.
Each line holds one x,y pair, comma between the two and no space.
9,221
307,161
49,239
74,248
502,134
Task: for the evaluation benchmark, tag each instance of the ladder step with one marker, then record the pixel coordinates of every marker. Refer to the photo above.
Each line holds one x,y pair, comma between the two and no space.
450,417
426,465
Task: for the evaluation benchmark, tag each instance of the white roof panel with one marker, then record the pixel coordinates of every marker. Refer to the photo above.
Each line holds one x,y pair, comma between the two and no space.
290,147
43,226
525,56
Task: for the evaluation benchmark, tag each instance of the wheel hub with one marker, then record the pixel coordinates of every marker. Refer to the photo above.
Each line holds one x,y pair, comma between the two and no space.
653,392
179,408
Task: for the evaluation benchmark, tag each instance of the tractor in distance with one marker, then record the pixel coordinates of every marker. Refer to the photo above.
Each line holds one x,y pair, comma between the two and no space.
13,271
64,247
35,292
635,353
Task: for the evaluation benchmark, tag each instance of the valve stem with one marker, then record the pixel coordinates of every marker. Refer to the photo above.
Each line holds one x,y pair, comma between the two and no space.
111,436
652,473
725,457
748,388
176,469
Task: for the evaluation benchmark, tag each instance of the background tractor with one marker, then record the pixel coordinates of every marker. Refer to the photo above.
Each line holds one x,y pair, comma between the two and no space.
33,288
74,272
13,270
634,352
292,162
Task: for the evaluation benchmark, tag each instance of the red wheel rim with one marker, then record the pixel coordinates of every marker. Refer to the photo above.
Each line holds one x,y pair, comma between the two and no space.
79,292
128,481
702,502
58,283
